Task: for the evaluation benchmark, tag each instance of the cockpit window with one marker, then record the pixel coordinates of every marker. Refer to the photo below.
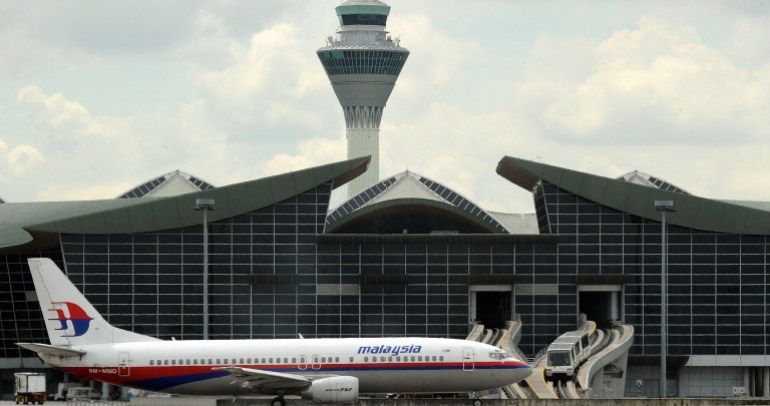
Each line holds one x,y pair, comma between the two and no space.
498,355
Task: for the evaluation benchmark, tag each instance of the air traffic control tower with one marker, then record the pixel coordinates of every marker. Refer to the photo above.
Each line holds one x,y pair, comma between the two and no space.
363,63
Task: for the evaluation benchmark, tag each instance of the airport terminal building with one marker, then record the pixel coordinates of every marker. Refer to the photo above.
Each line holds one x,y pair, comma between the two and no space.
410,257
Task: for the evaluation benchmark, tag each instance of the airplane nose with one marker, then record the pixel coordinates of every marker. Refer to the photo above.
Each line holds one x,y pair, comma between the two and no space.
519,371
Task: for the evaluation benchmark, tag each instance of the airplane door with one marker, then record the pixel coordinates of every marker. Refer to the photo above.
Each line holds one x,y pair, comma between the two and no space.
302,365
468,364
123,367
316,361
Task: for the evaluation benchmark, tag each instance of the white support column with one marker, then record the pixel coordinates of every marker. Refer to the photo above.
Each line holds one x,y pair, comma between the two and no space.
680,388
747,379
106,388
614,306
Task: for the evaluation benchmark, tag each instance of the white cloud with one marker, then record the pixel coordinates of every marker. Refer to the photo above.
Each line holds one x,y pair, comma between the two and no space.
658,83
275,71
310,153
56,116
23,157
19,159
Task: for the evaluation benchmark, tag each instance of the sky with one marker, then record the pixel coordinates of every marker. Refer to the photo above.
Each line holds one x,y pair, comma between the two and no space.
99,96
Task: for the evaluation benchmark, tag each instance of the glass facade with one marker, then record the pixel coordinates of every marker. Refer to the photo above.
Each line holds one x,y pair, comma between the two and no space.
717,282
20,318
367,62
275,275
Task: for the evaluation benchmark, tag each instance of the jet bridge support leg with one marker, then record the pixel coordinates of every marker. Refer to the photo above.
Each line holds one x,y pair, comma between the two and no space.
106,390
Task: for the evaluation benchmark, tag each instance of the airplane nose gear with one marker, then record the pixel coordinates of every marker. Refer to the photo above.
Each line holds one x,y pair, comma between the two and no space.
278,401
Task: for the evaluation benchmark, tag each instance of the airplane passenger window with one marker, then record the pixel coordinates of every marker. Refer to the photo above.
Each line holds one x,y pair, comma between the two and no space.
441,358
271,361
336,359
165,362
366,359
419,358
390,359
294,360
323,359
195,361
277,360
263,361
153,362
434,357
285,360
351,359
220,362
382,359
241,360
210,362
187,361
412,358
173,362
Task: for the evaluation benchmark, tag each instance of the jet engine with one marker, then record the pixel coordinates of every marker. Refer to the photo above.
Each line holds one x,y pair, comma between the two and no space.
338,389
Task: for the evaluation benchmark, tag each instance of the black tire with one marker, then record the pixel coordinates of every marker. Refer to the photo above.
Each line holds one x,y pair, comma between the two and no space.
477,402
279,401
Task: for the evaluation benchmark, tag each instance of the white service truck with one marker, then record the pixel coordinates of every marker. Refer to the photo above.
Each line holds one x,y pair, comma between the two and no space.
30,387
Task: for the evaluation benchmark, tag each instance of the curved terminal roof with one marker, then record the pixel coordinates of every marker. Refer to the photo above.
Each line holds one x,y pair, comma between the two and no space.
170,184
691,211
411,193
32,225
642,178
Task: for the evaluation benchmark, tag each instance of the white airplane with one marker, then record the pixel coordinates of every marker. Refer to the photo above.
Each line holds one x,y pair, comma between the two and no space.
333,370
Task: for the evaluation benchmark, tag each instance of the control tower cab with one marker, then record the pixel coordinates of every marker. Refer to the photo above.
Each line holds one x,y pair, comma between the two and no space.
363,62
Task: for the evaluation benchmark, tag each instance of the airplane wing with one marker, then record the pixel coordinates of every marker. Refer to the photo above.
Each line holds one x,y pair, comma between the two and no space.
261,379
51,350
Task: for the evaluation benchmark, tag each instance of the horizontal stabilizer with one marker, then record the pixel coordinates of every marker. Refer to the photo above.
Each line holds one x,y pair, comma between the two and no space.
51,350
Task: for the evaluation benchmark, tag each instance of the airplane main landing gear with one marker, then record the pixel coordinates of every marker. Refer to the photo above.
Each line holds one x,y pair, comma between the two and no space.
477,402
278,401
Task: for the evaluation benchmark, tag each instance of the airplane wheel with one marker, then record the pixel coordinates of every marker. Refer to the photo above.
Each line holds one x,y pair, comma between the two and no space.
476,402
279,401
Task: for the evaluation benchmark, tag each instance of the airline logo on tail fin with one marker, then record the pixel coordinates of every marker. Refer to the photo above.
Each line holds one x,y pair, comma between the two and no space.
78,318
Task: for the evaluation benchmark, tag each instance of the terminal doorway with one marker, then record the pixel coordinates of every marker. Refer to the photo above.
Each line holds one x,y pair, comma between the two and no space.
491,305
601,303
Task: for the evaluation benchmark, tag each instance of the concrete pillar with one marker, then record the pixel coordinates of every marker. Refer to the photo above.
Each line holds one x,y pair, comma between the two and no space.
106,388
765,382
614,306
680,389
124,393
747,379
597,385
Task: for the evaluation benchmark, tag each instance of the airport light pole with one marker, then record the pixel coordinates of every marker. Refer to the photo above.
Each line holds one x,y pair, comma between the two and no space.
663,206
205,205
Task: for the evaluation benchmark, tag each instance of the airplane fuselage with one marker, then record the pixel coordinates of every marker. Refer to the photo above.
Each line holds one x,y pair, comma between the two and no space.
382,365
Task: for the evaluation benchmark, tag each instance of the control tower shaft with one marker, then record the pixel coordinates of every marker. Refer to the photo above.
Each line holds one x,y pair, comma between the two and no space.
363,63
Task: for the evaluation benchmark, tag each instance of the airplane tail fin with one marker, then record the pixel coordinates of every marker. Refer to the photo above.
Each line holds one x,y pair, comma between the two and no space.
70,319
